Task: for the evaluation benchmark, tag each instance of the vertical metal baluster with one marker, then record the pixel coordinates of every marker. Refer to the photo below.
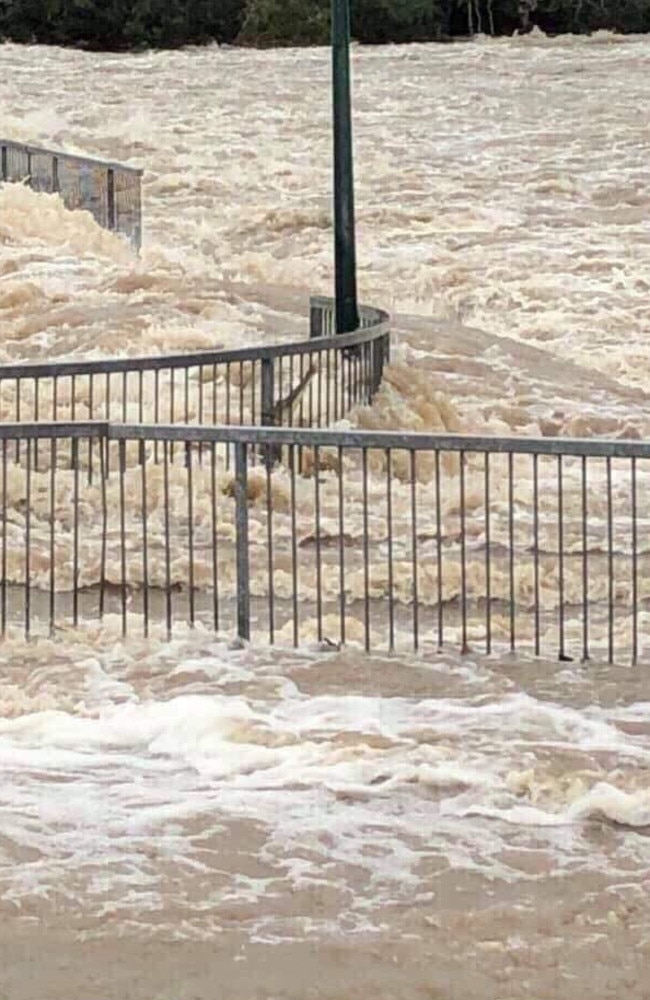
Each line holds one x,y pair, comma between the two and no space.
168,570
319,389
463,556
242,541
585,566
145,540
241,393
28,537
37,443
122,463
335,385
328,387
156,409
389,528
17,419
4,536
511,547
91,416
215,553
349,383
172,408
341,547
190,530
366,549
310,392
269,543
301,401
103,461
254,370
610,563
125,395
317,527
75,535
141,396
214,395
560,535
107,418
370,349
52,534
488,559
186,400
227,389
439,551
414,552
73,398
536,610
201,444
635,577
294,544
291,385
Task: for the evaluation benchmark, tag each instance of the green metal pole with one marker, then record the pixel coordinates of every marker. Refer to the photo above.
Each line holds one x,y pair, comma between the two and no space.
345,262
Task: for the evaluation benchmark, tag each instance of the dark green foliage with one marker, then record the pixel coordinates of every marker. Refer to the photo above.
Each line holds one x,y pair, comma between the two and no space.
121,24
378,21
559,16
126,24
286,22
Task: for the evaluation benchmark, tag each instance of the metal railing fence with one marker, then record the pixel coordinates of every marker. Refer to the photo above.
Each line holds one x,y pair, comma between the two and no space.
111,192
312,383
203,487
393,541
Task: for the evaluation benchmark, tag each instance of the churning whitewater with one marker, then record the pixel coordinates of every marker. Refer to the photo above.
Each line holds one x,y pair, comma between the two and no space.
483,822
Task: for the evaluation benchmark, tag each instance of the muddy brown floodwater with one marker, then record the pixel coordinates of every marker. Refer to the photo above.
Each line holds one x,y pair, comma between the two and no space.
188,821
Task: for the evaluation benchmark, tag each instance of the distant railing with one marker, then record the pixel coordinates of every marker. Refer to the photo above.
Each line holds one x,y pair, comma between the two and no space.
394,541
111,192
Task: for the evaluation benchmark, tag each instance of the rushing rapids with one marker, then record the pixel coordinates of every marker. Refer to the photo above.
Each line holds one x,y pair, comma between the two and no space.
443,826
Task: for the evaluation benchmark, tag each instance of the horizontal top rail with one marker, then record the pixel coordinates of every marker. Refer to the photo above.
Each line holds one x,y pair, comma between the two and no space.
55,429
94,161
324,438
157,362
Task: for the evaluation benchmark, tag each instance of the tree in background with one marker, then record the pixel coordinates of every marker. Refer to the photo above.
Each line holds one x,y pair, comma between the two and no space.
128,24
119,24
285,22
379,21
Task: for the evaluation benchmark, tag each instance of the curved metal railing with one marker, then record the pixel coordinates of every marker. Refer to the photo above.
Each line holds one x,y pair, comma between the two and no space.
311,383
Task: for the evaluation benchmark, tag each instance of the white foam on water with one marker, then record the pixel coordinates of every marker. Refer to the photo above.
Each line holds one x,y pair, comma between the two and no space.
494,208
135,778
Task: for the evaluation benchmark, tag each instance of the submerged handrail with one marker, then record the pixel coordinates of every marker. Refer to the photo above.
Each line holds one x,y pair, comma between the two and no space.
111,192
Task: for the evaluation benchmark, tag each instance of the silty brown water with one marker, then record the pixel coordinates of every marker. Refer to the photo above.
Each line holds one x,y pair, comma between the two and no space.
446,826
